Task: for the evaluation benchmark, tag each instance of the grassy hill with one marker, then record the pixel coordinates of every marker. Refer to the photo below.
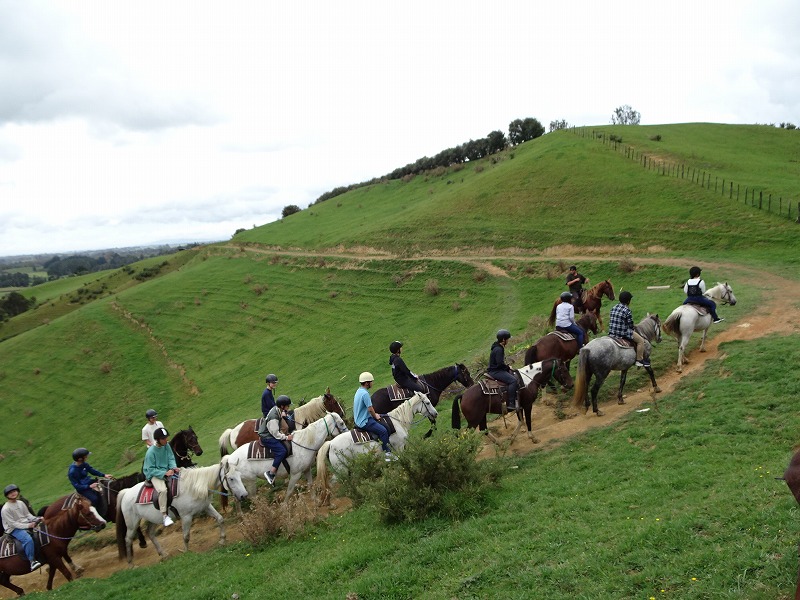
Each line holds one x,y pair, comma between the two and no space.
196,340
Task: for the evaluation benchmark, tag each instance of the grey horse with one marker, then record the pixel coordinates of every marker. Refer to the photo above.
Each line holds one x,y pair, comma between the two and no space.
602,355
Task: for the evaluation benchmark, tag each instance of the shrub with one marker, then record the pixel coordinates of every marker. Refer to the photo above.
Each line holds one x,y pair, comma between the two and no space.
290,210
432,287
436,477
479,276
479,168
105,367
456,307
358,475
655,138
626,265
260,288
268,520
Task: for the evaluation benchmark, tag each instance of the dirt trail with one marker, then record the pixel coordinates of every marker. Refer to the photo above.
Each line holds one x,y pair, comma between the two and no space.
774,316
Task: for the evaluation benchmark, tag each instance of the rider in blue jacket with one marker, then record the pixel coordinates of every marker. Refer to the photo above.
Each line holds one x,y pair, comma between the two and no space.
78,475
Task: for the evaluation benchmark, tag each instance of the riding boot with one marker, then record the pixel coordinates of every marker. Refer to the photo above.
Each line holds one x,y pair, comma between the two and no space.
511,405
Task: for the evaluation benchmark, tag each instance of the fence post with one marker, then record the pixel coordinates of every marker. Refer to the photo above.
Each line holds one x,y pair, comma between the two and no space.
723,186
737,192
745,194
715,183
730,195
769,203
760,198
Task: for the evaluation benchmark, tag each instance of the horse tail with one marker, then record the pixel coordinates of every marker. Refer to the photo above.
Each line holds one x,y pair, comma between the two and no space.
531,355
551,320
455,417
580,390
223,502
322,465
122,527
673,323
223,442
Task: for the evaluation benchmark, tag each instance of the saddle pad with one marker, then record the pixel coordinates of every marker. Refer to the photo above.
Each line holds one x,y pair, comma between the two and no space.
8,546
40,537
70,501
259,423
562,335
360,435
701,310
147,492
491,387
397,392
622,343
255,451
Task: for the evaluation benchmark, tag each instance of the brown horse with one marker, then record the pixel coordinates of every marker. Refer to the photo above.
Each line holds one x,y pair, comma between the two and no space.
435,383
591,301
61,528
311,411
552,346
792,478
476,405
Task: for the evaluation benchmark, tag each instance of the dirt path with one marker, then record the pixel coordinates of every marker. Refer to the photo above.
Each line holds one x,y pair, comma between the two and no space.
772,317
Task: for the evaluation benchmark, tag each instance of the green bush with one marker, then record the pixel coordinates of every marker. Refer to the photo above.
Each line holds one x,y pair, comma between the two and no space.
359,474
435,477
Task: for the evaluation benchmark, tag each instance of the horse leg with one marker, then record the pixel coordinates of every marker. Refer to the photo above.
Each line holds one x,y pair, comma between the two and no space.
703,340
186,525
623,377
310,484
650,372
295,477
598,382
77,569
140,536
56,563
212,512
797,590
528,409
151,533
5,581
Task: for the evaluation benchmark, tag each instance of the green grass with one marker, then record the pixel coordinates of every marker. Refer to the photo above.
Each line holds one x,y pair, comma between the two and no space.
676,503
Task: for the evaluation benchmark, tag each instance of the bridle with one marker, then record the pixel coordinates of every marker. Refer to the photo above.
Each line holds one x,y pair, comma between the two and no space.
328,431
726,294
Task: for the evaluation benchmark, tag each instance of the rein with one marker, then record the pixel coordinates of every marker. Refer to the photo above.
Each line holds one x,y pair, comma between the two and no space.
327,430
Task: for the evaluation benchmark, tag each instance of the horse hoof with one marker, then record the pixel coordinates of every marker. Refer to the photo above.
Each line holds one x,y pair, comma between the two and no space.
657,390
534,440
600,413
142,544
620,401
78,572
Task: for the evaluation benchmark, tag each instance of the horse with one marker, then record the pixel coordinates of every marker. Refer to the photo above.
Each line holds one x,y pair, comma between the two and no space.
435,383
60,529
592,301
792,478
184,444
241,473
194,498
476,405
685,319
314,409
343,446
552,346
603,355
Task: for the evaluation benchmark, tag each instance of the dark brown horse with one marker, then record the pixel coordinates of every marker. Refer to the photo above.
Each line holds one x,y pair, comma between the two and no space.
552,346
61,528
435,383
476,405
792,478
184,444
311,411
591,301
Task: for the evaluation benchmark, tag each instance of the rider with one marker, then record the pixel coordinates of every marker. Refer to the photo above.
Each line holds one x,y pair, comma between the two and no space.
694,289
365,416
500,370
159,464
18,520
150,427
271,435
565,318
267,399
620,325
78,475
575,283
404,377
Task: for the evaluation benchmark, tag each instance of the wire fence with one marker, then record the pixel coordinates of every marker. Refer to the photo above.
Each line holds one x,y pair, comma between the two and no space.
748,195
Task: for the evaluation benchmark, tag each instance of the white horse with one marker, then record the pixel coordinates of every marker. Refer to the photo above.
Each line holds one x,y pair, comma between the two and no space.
342,446
241,473
685,319
314,409
194,497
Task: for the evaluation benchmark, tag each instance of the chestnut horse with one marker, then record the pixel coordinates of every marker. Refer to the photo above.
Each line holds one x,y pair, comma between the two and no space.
311,411
552,346
591,300
476,405
61,528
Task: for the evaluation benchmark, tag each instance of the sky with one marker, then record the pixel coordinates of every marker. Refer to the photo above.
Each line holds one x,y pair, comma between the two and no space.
150,122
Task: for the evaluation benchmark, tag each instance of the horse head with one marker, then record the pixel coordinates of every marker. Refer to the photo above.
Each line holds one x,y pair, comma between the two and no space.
561,374
727,294
338,422
86,515
331,404
422,405
462,375
589,322
657,326
608,289
190,438
231,479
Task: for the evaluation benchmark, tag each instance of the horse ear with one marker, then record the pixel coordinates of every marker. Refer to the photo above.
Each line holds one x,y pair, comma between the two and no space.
328,390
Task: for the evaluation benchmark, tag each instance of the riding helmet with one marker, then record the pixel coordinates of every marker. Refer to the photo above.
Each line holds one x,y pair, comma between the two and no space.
365,377
160,434
625,297
694,272
573,268
272,378
150,413
503,334
10,488
566,297
395,346
80,453
283,400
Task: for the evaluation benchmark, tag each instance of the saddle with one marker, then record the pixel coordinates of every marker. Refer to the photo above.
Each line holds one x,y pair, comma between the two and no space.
622,343
361,436
147,493
564,336
11,546
492,387
701,310
288,424
398,393
257,451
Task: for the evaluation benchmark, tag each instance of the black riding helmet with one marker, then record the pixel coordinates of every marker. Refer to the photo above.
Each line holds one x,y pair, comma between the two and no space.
272,378
283,400
395,346
10,488
503,334
694,272
566,296
80,453
160,434
625,297
150,413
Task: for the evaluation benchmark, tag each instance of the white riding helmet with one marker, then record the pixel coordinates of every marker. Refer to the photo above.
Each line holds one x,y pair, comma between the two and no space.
365,377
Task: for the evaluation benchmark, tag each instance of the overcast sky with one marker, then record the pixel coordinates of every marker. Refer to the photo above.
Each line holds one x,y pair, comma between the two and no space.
136,123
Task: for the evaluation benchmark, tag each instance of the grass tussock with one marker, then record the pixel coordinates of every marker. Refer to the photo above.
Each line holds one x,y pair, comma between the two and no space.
268,519
626,265
432,287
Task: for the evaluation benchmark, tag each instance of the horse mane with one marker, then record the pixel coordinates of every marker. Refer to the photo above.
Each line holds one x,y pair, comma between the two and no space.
405,412
197,482
310,411
595,289
125,482
442,373
647,326
307,433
